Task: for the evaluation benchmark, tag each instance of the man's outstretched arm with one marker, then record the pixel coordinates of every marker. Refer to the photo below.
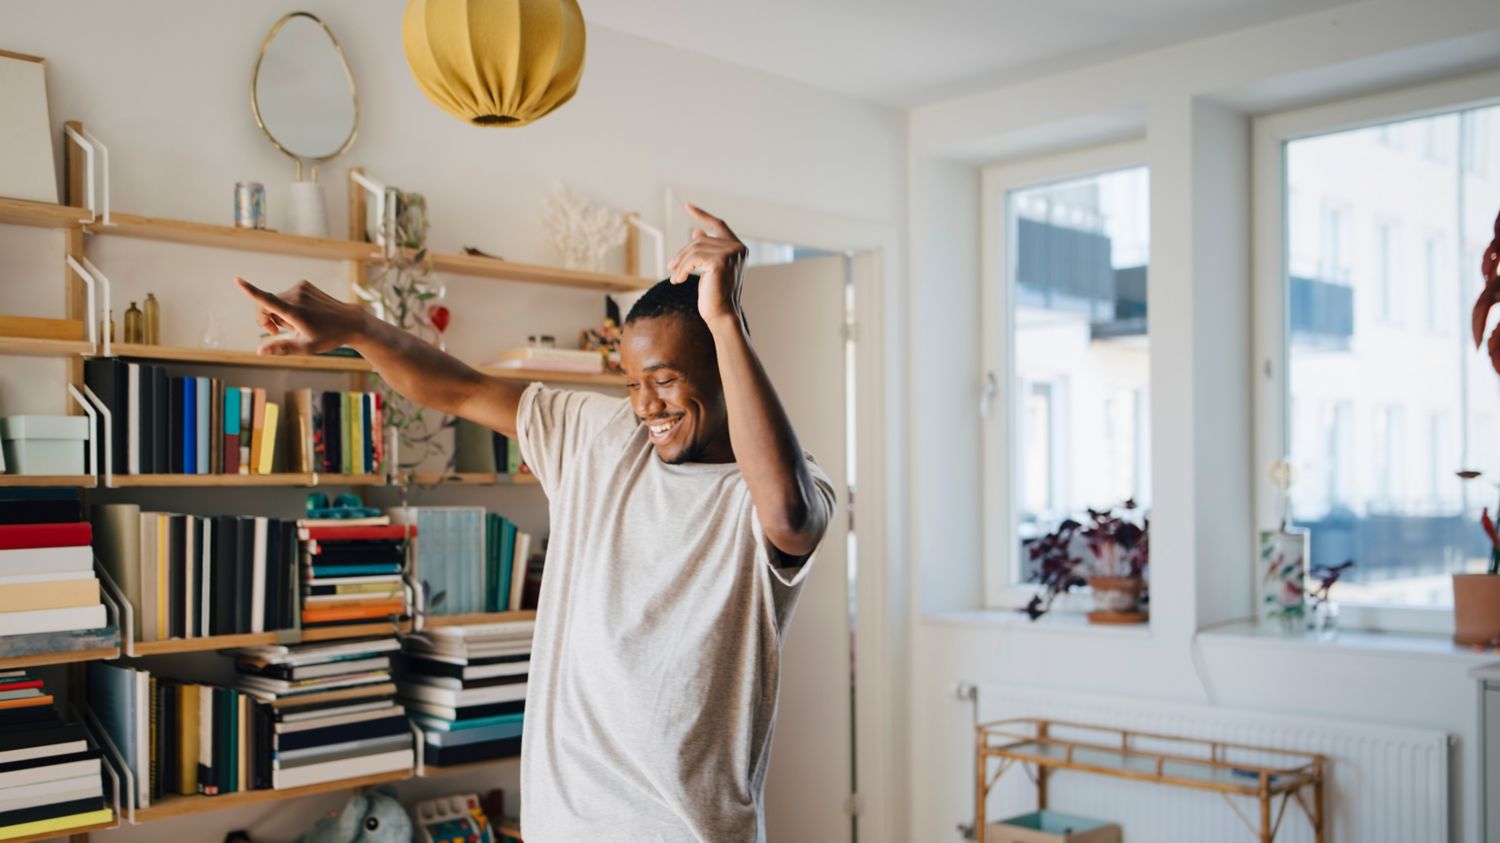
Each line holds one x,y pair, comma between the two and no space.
416,369
792,511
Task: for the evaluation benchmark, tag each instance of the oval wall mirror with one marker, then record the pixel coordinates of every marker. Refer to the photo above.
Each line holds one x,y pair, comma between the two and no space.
302,91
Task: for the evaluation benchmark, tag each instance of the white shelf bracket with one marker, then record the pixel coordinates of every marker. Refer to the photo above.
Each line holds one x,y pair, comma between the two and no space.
659,238
92,146
92,316
107,470
89,411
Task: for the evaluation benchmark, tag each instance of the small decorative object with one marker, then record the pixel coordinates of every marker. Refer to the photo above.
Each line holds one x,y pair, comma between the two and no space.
213,336
439,316
1110,555
1283,557
152,320
345,506
1476,597
457,818
249,204
541,341
27,168
604,339
135,326
495,62
411,220
374,816
44,444
581,230
1325,614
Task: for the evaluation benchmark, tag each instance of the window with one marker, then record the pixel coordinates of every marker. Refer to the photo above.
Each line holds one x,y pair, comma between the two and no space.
1066,338
1378,416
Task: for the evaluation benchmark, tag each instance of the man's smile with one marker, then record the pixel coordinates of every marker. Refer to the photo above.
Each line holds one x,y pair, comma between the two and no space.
661,430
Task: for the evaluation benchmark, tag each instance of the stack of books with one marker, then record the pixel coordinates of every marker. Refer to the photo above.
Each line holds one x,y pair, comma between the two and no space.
165,424
352,570
47,582
188,576
544,359
50,777
336,432
330,710
465,688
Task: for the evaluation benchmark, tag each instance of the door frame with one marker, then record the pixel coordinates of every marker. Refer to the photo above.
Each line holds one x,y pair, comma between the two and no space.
880,627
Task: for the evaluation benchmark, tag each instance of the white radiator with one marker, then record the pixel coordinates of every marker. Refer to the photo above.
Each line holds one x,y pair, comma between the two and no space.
1385,784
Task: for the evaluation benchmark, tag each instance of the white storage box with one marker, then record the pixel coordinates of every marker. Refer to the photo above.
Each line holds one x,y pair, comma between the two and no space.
44,444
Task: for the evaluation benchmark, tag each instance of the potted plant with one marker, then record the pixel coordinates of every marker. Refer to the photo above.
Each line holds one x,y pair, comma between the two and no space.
1476,597
1109,554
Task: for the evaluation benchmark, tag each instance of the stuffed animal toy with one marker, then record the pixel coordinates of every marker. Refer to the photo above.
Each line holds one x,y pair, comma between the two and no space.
374,816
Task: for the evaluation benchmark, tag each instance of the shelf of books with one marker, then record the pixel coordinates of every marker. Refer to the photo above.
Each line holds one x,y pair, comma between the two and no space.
123,481
41,214
181,806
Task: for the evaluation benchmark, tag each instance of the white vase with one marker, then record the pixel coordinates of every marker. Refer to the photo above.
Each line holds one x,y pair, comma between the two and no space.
306,213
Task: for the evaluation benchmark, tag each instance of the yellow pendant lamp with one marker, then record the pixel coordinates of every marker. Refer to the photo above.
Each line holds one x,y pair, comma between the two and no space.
495,62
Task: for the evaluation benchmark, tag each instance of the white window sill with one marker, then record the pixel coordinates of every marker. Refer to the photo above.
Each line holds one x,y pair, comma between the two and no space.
1413,644
1054,622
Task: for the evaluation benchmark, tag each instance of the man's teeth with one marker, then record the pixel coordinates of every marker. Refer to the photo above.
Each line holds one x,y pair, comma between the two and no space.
663,427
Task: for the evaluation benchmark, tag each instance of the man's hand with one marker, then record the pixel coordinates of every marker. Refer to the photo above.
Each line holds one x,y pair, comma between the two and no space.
718,258
321,322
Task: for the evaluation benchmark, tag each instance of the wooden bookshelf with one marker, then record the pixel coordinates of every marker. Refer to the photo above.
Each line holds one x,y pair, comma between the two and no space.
23,481
33,347
476,618
229,237
348,480
41,214
147,481
479,478
59,657
502,270
359,630
584,378
206,643
225,357
182,806
69,833
430,772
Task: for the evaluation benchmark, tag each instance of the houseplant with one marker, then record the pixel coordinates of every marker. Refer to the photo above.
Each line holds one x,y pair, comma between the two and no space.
1109,554
1476,597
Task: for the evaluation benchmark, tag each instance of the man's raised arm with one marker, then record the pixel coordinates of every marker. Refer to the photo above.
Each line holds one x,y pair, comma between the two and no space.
416,369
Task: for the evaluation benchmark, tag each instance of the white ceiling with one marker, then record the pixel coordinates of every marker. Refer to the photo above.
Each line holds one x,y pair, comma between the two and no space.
909,52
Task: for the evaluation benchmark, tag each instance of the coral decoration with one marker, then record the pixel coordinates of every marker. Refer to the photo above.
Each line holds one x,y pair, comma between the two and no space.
582,231
1490,267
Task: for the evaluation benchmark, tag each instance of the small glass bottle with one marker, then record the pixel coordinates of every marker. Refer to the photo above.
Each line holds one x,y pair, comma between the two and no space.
134,332
152,320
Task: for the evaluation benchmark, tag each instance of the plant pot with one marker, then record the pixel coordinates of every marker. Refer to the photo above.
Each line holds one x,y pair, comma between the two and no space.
1117,600
1476,609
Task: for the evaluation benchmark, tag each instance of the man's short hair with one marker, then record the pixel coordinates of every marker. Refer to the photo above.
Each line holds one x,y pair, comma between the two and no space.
667,299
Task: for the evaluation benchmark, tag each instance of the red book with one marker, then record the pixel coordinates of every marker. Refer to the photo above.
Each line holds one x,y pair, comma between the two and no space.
20,685
231,453
15,536
333,534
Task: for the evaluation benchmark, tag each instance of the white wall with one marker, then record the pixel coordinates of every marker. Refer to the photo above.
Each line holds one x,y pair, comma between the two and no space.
164,83
1192,104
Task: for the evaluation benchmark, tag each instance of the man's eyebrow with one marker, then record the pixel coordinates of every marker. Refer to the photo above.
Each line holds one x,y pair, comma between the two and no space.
656,366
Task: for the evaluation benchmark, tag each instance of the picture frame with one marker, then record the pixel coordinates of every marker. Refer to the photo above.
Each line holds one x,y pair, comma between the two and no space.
28,169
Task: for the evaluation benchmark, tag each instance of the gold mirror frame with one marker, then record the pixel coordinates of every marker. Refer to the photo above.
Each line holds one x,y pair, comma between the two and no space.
348,73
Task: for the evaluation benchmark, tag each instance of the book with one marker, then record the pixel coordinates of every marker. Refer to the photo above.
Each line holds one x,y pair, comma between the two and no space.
465,697
346,415
108,378
189,426
360,765
40,506
52,620
45,560
299,431
383,532
132,420
215,426
257,428
202,399
59,824
518,569
232,430
258,575
268,439
247,430
21,536
367,418
333,430
438,755
60,594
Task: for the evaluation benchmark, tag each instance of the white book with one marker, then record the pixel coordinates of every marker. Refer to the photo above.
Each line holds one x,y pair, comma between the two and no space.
287,758
34,794
50,576
320,669
518,570
258,578
308,654
192,542
52,620
143,738
44,751
292,688
364,578
437,710
521,630
462,698
24,561
133,418
340,720
344,768
477,671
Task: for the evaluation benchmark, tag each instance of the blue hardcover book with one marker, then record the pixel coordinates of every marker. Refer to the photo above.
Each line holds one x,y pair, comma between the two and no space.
205,395
321,571
189,426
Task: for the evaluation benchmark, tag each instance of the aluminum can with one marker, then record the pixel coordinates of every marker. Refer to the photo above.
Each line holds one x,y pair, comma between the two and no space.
249,205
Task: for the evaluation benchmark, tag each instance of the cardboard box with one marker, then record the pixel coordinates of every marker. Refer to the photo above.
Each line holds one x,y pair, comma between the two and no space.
1052,827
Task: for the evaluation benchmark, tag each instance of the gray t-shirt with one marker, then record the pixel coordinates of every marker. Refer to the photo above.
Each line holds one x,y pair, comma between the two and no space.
652,694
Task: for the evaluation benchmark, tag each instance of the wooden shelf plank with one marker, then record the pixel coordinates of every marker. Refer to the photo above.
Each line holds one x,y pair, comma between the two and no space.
500,270
204,644
228,237
78,481
472,479
348,480
476,618
587,378
41,214
361,630
429,771
66,832
61,657
508,827
181,806
225,357
138,481
32,347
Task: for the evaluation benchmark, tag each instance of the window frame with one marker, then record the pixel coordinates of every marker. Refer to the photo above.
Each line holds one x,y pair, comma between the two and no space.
1000,462
1269,294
